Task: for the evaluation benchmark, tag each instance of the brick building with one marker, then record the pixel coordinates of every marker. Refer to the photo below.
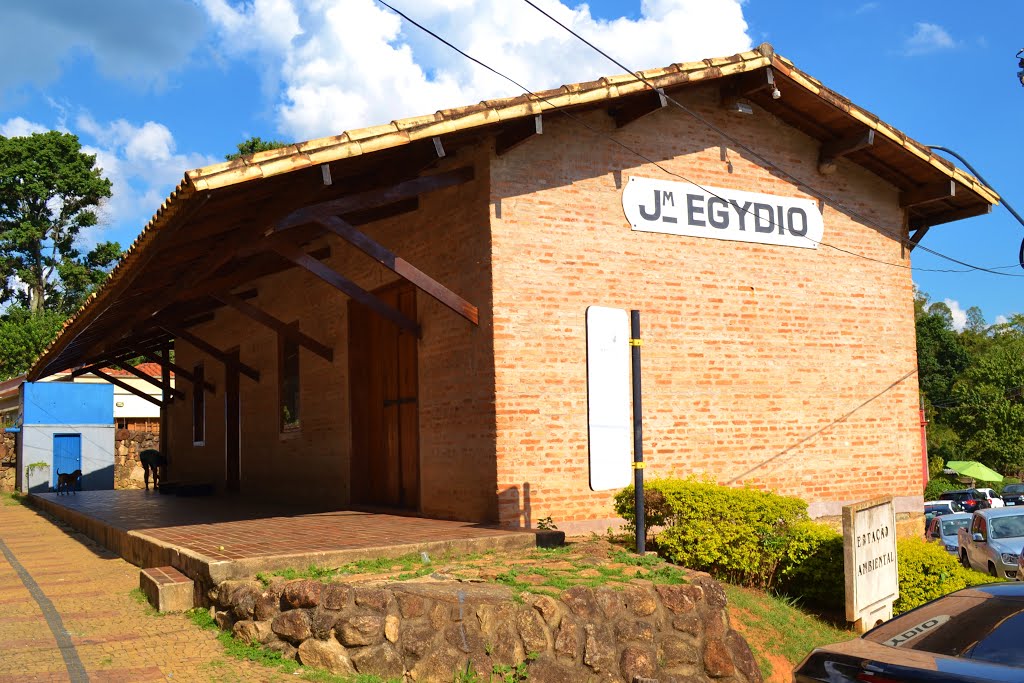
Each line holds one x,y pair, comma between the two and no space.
457,386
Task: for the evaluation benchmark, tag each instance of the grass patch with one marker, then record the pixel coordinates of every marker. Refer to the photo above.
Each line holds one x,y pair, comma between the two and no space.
13,498
138,596
775,625
411,565
626,557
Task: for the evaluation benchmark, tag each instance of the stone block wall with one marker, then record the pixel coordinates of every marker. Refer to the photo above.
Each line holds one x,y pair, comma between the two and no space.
8,462
427,631
133,436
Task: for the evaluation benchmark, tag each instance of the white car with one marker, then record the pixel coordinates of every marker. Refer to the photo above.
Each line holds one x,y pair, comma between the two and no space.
995,500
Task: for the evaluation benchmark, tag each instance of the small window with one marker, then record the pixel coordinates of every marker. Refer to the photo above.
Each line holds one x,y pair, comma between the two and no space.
198,405
288,379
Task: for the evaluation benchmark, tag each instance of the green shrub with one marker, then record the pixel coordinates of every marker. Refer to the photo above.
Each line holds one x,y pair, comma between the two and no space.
739,535
814,566
928,572
939,485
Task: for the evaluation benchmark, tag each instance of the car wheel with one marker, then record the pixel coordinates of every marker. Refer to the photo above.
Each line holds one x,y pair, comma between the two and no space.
963,559
992,570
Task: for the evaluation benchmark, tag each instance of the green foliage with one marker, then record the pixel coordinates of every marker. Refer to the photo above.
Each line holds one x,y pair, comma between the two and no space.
49,190
253,145
23,336
939,485
739,535
928,572
814,565
546,524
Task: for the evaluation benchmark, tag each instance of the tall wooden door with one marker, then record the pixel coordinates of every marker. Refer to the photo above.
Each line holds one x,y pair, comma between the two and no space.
384,387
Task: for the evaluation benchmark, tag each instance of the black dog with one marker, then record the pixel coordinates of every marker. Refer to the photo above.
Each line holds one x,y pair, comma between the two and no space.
68,482
153,462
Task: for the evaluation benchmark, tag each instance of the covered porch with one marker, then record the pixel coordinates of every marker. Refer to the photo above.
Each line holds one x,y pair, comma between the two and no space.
216,538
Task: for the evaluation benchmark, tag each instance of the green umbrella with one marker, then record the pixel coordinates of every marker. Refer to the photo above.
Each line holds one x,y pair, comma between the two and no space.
974,470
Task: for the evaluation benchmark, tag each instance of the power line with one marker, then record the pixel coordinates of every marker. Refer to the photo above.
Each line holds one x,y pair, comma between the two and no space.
798,181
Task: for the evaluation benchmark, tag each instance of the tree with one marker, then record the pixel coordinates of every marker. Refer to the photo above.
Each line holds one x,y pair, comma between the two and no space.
253,145
23,335
49,190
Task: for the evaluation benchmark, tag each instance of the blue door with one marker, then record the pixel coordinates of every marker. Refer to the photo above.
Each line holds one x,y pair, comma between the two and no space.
67,454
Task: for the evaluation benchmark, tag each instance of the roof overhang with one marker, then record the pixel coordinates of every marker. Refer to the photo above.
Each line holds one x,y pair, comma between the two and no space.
228,224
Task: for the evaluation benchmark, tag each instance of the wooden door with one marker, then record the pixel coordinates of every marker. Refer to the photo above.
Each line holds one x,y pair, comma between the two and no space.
384,387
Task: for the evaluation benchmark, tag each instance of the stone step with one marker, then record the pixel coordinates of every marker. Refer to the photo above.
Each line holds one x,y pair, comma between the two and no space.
167,589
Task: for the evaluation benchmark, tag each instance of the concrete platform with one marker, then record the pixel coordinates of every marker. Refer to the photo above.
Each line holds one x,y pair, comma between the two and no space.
212,539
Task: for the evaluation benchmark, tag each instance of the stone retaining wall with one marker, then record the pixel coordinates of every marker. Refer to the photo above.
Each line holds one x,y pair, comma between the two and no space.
128,443
428,630
8,462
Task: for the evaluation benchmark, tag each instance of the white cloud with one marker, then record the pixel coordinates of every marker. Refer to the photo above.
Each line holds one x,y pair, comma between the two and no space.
1002,320
335,66
866,7
19,128
927,38
141,162
959,314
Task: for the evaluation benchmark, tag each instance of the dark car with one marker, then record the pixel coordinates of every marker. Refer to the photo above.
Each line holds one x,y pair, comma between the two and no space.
970,500
971,635
1013,494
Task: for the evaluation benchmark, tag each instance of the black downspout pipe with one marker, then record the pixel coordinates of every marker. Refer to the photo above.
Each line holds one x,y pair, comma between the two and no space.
638,433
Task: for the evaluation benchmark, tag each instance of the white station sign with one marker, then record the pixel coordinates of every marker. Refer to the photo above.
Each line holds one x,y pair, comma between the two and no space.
609,393
686,209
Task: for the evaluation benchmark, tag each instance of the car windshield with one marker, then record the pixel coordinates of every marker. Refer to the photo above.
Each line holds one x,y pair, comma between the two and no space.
950,527
960,626
1013,489
1006,527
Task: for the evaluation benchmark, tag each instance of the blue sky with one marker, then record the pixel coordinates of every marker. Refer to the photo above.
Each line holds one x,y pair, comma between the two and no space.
159,87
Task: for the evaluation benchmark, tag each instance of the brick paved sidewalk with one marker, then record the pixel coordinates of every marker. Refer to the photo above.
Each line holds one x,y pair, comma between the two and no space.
110,636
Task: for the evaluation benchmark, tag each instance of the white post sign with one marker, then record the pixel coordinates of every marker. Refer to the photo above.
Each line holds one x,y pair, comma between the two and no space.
701,211
608,397
869,558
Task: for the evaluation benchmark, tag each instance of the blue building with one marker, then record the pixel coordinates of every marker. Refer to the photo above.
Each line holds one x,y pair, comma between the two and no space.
65,427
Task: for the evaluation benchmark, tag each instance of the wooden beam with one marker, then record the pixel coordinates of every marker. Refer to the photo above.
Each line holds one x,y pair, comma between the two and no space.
516,133
834,149
279,326
928,193
179,371
168,389
916,237
127,387
949,217
374,198
211,350
340,282
398,265
240,276
638,107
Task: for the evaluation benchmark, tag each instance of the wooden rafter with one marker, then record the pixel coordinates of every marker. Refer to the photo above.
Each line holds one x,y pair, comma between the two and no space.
211,350
916,237
638,107
179,371
243,274
834,149
928,193
342,283
127,387
400,266
948,217
279,326
167,389
373,198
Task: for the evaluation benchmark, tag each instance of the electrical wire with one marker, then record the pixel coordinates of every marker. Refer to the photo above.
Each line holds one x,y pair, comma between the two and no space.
798,181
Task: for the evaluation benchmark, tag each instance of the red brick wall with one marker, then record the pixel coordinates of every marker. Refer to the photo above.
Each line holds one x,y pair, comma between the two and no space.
754,356
448,239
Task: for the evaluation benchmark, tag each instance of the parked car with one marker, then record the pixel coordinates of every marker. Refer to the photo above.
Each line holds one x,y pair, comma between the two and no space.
994,541
943,529
1013,494
969,499
968,636
993,498
934,508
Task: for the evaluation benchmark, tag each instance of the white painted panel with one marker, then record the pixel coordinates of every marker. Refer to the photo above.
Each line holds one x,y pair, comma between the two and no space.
608,398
